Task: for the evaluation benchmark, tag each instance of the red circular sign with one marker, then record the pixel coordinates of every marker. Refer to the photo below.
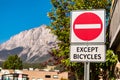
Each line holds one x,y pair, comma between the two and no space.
87,26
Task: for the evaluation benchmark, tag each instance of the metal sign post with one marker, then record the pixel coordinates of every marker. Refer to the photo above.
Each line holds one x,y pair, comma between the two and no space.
87,38
86,70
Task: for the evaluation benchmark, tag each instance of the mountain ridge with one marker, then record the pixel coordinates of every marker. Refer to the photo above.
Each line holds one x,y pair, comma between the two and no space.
30,45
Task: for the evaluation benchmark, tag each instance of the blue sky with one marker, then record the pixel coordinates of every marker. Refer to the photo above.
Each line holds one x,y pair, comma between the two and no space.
20,15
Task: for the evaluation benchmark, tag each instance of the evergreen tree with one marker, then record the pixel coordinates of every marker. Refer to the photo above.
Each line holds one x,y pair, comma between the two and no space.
13,62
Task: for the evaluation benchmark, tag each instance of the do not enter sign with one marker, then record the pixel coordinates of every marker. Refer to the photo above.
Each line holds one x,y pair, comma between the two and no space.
88,26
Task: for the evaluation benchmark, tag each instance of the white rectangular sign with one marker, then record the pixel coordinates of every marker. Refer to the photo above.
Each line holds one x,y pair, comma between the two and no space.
88,26
87,53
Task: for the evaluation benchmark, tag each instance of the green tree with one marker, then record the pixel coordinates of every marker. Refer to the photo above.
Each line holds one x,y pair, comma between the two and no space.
105,70
13,62
60,24
109,66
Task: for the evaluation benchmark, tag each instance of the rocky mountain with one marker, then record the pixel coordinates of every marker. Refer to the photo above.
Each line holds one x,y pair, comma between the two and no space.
31,45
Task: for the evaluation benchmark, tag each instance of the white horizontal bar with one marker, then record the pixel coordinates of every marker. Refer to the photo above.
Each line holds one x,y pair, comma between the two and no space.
87,26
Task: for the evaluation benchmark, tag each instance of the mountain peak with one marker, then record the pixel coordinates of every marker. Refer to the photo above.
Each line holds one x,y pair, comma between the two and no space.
31,45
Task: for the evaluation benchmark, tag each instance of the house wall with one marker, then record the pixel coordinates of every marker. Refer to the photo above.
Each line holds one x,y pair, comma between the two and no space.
115,24
114,33
39,74
45,75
